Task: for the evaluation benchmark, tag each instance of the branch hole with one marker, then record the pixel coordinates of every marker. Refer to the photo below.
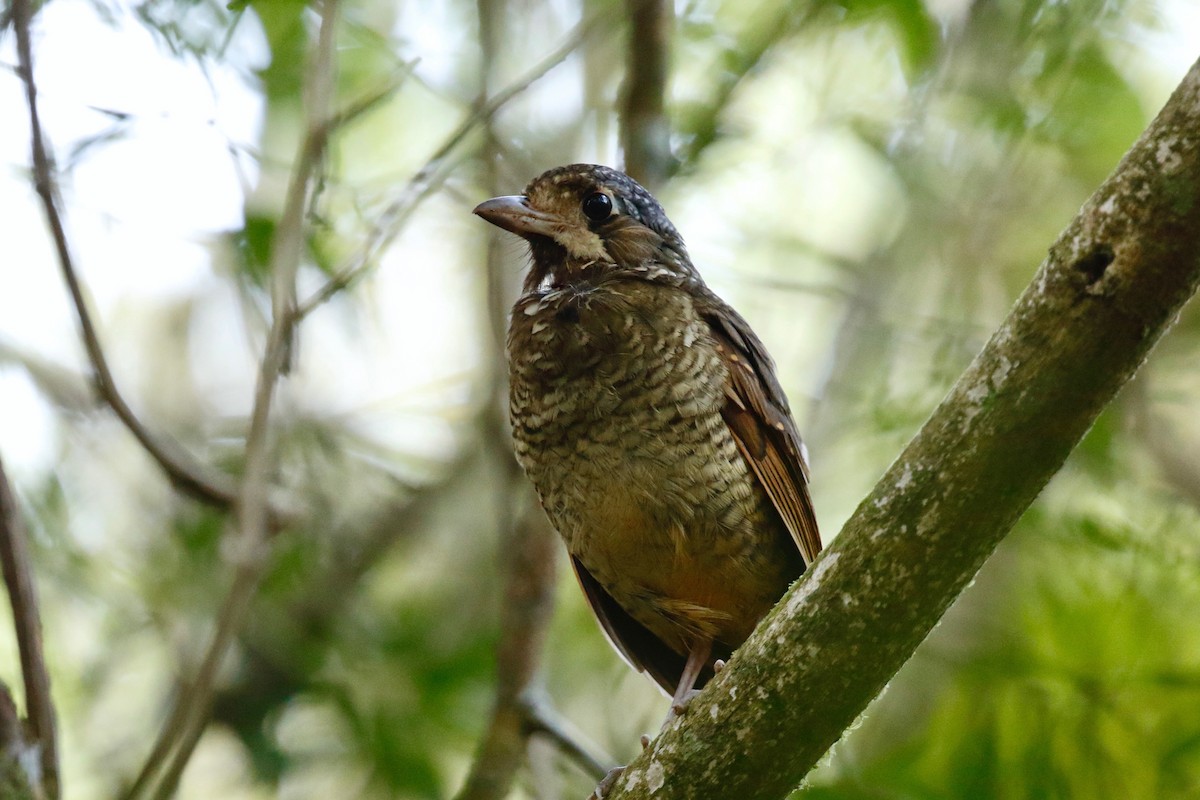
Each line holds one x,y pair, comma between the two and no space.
1094,264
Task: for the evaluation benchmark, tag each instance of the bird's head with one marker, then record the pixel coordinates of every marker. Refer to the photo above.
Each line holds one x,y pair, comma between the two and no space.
585,216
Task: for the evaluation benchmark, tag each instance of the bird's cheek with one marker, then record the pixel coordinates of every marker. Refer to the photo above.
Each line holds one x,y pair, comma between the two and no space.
581,243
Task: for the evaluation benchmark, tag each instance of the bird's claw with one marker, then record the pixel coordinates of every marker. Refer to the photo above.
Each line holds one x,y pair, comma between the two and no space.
605,786
678,709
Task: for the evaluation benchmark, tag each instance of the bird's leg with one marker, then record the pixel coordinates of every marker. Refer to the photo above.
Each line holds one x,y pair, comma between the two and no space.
685,691
697,658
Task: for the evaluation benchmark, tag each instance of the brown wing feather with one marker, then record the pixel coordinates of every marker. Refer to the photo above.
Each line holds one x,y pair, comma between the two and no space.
758,416
644,651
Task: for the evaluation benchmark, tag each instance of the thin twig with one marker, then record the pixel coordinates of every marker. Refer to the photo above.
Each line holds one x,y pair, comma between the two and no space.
182,730
185,473
9,15
433,174
22,595
541,720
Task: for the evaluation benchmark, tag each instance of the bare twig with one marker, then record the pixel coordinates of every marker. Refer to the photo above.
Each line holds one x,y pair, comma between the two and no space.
430,177
541,720
8,15
183,728
22,595
645,132
185,473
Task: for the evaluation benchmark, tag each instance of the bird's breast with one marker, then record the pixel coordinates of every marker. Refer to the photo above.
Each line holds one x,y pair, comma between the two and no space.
624,376
615,397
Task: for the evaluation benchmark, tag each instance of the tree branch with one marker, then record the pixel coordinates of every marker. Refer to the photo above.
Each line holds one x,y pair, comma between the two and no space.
186,473
645,132
1110,286
181,732
22,595
541,720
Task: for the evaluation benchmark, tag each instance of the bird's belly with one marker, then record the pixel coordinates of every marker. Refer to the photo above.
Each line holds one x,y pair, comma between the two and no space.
683,580
679,535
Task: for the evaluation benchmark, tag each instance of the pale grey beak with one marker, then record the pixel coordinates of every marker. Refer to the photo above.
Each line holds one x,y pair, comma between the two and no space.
513,214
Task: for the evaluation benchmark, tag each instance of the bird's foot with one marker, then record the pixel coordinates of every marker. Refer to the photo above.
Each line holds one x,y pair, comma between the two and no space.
605,786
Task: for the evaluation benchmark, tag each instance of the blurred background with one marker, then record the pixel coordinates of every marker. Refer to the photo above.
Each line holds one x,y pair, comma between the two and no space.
871,182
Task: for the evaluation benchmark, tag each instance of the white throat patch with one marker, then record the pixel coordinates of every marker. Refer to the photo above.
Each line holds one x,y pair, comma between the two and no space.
581,242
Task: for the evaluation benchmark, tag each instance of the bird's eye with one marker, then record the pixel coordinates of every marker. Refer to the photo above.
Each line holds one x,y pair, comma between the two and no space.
597,206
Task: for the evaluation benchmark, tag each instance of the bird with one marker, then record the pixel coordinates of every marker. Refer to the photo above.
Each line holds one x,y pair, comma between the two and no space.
650,420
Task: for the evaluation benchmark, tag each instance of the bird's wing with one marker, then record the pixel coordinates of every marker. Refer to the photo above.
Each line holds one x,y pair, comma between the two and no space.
757,414
644,651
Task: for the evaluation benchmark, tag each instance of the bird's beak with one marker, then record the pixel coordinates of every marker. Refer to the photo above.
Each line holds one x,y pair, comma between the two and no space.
513,214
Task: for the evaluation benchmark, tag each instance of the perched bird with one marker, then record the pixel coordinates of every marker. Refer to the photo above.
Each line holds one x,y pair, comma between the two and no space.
648,416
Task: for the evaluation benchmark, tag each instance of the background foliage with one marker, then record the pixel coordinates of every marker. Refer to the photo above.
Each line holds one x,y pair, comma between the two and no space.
871,182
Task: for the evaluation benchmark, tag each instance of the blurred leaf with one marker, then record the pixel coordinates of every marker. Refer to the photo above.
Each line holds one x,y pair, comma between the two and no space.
253,244
1097,446
917,32
287,38
1094,113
